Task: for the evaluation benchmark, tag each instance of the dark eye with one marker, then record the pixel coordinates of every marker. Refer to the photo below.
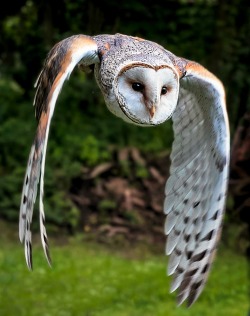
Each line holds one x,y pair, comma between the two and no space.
164,90
137,86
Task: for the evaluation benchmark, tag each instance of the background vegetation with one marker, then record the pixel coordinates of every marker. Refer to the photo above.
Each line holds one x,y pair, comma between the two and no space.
90,280
93,157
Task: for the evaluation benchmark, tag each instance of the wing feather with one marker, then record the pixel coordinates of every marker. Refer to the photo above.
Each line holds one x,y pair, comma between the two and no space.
196,189
58,66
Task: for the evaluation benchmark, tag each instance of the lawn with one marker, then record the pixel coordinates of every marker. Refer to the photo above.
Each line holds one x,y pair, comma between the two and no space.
92,280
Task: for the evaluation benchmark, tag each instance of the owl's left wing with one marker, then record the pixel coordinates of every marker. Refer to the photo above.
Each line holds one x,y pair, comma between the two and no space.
60,62
196,188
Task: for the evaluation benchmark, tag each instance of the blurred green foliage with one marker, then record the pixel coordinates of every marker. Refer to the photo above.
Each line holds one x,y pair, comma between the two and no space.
84,134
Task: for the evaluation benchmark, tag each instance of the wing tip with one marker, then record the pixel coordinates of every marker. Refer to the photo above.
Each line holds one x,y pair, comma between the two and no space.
47,254
28,255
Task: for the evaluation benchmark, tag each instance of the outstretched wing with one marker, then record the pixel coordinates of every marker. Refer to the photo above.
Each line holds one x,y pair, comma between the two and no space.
197,186
58,66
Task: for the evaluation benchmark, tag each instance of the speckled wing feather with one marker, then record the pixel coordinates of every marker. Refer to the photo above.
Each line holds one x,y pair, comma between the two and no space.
196,189
58,66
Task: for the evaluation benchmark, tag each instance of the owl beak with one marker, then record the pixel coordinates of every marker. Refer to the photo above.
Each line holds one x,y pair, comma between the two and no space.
150,104
152,111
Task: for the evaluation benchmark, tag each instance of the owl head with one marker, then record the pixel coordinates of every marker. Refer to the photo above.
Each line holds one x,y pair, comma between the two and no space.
141,89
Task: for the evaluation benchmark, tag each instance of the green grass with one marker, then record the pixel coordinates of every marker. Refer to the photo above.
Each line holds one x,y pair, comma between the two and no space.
89,279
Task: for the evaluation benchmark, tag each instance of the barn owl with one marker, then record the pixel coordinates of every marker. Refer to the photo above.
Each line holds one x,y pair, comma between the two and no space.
145,84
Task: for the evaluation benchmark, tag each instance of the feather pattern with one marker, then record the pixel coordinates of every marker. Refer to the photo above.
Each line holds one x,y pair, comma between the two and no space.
58,66
196,189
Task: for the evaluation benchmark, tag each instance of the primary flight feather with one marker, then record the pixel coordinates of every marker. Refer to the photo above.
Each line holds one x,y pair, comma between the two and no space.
145,84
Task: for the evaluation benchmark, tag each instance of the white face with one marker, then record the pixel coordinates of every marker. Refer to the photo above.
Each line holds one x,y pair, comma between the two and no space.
147,96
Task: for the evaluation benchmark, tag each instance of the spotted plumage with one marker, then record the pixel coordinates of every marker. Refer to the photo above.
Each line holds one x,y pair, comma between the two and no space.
145,84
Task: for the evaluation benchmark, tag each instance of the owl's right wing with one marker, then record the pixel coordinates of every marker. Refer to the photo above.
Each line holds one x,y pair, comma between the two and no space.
60,62
196,188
